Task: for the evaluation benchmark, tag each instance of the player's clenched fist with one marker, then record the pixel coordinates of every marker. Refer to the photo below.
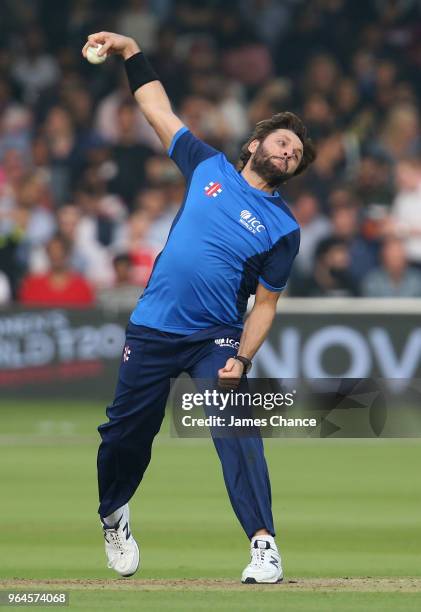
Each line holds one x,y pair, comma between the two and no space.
111,43
230,375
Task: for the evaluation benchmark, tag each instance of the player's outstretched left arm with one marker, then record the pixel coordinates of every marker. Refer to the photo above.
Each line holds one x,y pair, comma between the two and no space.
150,95
256,328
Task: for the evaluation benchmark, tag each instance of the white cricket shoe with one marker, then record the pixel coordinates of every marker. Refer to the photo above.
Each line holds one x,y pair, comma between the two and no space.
265,565
120,546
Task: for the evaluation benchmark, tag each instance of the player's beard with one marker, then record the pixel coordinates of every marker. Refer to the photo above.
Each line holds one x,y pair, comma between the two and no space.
263,165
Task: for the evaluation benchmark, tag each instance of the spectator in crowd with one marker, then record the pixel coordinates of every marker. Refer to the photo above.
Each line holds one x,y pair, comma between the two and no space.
331,276
128,155
406,211
245,57
346,226
400,135
61,140
32,198
394,278
139,21
5,291
104,209
269,99
105,117
205,119
374,181
133,240
15,130
164,198
34,70
87,255
14,249
124,291
314,228
123,271
60,285
329,164
153,202
270,18
168,64
321,76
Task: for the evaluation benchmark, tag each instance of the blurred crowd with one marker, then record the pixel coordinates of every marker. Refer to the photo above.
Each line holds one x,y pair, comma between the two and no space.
87,195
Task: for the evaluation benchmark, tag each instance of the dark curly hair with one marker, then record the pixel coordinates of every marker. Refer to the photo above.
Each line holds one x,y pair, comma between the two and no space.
286,121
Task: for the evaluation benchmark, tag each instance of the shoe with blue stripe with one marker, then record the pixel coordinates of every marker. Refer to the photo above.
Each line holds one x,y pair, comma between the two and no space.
265,566
120,546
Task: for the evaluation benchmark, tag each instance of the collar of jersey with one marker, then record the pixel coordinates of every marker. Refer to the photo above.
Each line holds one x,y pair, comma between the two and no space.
247,187
275,198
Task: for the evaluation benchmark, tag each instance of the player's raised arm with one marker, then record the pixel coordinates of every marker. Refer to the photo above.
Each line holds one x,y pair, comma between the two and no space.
144,82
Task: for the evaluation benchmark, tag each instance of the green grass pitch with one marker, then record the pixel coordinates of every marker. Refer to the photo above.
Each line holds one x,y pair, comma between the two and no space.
343,509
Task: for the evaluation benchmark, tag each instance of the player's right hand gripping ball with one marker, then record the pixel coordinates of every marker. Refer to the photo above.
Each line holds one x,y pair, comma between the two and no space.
93,57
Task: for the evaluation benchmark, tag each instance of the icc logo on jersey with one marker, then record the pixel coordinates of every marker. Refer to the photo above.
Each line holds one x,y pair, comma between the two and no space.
250,222
230,342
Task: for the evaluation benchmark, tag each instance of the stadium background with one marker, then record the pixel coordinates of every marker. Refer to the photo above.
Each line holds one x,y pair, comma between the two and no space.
87,194
76,157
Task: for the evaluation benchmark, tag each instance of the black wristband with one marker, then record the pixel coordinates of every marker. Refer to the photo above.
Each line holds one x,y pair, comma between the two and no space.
139,71
245,361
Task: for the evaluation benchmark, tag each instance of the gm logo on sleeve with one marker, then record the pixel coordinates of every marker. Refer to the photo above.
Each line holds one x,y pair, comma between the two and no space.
250,222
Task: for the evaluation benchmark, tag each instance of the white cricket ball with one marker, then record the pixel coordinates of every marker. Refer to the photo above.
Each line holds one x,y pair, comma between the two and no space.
93,57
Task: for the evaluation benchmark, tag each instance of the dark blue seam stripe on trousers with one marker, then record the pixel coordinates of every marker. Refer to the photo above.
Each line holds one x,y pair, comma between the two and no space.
150,359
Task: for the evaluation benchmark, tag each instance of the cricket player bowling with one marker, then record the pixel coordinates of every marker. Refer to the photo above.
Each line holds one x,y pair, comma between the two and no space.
234,236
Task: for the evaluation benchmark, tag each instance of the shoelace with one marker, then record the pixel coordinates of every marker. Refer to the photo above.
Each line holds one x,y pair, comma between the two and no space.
116,539
258,556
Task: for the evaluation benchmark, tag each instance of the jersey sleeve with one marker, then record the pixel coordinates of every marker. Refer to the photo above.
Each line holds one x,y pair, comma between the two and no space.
277,266
188,152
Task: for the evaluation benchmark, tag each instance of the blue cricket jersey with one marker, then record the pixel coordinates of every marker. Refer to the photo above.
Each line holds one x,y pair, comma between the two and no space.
226,238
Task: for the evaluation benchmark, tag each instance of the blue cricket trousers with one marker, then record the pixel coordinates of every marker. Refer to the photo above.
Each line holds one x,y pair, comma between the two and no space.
150,359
